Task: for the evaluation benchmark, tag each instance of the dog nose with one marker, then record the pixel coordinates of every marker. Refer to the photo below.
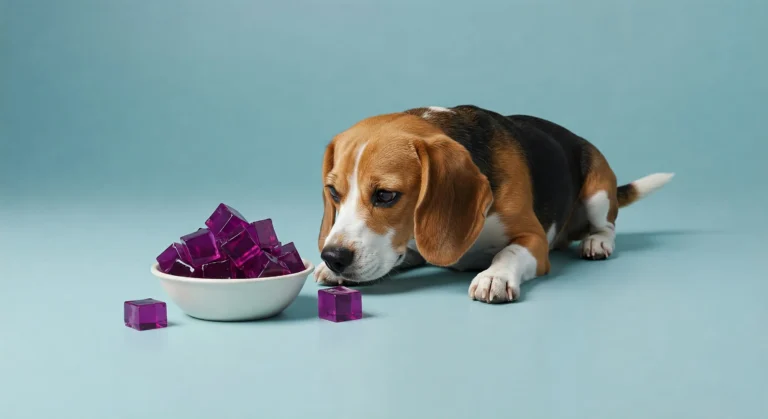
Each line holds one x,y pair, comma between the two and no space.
337,258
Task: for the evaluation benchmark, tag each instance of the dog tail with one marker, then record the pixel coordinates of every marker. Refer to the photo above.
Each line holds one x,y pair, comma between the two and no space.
639,189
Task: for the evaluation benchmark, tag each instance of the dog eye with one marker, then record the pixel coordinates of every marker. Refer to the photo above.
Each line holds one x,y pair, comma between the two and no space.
334,194
384,198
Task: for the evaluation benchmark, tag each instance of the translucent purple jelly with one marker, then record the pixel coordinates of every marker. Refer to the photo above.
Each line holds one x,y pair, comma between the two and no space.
225,222
219,269
290,257
339,304
201,247
231,247
145,314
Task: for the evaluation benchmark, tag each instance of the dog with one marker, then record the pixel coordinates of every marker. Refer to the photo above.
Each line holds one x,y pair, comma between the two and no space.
465,188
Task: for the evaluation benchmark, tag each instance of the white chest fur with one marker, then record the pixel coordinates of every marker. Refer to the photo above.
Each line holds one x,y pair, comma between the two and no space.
490,241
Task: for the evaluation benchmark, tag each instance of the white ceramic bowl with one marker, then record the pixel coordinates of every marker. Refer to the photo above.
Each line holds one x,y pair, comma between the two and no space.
233,299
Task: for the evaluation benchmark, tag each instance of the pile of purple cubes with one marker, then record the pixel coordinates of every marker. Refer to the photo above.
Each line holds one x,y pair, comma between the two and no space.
231,248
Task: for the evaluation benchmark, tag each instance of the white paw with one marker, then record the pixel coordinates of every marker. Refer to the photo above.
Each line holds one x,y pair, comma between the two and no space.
495,286
597,246
325,276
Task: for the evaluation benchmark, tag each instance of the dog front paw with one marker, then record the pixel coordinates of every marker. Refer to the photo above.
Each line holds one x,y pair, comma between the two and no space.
495,286
325,276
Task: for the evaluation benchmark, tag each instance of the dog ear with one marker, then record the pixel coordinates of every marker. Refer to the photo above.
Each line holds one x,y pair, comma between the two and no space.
329,211
453,201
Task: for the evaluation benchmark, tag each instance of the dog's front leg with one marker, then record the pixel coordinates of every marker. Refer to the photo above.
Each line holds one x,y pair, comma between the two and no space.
525,258
325,276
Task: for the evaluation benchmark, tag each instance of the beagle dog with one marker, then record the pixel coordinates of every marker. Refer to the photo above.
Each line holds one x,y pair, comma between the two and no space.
469,189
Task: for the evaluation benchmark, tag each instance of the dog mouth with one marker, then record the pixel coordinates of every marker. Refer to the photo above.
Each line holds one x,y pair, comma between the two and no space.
371,273
356,280
358,276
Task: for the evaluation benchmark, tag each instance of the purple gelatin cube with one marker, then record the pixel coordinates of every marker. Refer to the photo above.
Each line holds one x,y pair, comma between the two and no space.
339,304
265,233
275,250
181,268
218,269
225,222
167,259
274,267
145,314
242,246
201,247
253,267
291,258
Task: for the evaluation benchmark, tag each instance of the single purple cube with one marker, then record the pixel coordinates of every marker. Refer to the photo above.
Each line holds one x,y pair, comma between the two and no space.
254,266
225,222
242,246
274,267
145,314
201,247
291,258
218,269
265,233
175,261
339,304
181,268
275,250
167,259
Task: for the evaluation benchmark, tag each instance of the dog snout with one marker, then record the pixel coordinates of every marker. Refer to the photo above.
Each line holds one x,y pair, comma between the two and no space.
337,258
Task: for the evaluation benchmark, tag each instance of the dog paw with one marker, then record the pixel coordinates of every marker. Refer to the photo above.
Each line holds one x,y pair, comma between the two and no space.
495,286
597,246
325,276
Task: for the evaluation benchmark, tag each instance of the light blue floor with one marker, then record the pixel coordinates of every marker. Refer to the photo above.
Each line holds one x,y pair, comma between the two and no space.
123,124
673,326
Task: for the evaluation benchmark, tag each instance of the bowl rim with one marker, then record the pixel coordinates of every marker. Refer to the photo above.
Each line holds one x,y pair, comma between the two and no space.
154,269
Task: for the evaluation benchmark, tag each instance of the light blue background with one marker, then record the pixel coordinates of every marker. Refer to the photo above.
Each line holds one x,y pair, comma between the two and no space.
124,123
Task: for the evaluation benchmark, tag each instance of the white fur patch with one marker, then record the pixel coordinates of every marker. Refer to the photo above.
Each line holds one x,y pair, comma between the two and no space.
374,254
552,234
490,241
646,185
348,218
601,240
501,281
433,110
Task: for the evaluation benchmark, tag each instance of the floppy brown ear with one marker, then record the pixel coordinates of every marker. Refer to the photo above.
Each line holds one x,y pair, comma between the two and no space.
329,212
453,201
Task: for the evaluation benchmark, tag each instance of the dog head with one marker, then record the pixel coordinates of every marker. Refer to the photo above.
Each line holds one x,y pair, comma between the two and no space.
393,179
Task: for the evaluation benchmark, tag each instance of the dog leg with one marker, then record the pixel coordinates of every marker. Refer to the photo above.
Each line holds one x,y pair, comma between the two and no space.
526,258
600,207
601,241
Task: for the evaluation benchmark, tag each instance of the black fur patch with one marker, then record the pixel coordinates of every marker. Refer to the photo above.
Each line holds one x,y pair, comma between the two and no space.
558,160
470,129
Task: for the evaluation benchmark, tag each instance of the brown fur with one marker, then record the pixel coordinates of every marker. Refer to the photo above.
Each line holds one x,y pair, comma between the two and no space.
337,167
514,204
626,195
329,208
453,201
600,177
440,185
